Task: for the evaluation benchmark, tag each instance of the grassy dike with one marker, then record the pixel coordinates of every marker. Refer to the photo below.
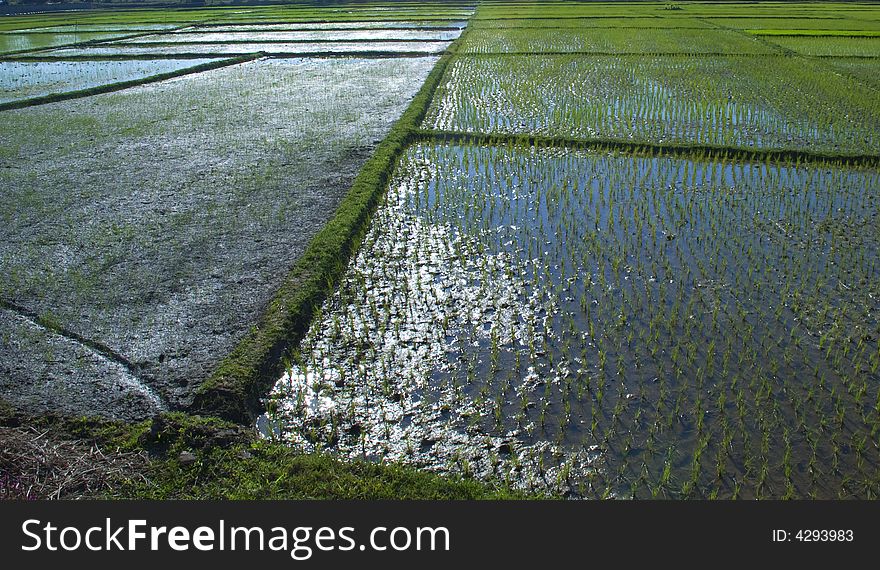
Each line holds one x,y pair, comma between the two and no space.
235,389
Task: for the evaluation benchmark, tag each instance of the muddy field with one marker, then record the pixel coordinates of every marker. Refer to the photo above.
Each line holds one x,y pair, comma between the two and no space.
144,231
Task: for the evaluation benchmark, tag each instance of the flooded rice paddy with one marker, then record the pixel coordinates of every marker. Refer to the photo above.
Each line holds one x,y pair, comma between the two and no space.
613,40
168,272
239,49
596,324
23,42
588,323
300,36
26,79
293,27
738,101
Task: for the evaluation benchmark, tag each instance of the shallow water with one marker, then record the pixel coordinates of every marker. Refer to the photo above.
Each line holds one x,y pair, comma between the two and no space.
601,325
459,24
26,79
232,49
297,36
22,42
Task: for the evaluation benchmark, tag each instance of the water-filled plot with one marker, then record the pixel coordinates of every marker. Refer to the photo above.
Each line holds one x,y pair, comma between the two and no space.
23,42
292,27
27,79
746,101
121,50
613,40
159,220
121,28
349,14
605,325
299,36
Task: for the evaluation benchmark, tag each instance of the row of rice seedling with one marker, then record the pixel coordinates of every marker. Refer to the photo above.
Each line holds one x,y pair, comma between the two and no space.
830,46
99,20
23,80
88,20
613,40
739,101
863,69
606,325
226,40
348,13
562,10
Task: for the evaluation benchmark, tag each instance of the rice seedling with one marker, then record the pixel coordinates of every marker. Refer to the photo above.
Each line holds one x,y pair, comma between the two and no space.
612,40
484,209
830,46
716,101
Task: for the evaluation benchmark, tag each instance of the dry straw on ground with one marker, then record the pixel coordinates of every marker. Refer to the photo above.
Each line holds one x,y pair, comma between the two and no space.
36,464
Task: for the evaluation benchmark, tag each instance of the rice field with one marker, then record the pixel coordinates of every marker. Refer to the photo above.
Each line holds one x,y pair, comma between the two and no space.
825,46
232,49
794,24
168,272
863,69
26,79
613,40
626,327
333,26
732,101
10,43
586,22
299,36
592,249
541,300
